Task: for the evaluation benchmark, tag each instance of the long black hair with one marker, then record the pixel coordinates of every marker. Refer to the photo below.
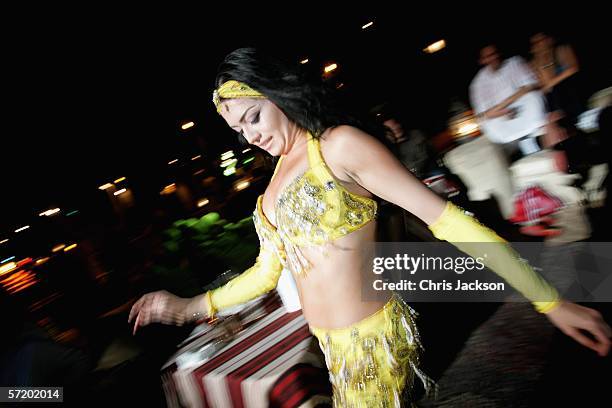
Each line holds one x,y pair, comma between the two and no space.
302,95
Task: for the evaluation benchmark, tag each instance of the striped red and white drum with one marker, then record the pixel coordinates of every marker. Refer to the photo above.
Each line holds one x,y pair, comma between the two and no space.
273,361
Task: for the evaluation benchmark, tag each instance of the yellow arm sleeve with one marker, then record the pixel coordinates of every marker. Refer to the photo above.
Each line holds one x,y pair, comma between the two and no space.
260,278
465,232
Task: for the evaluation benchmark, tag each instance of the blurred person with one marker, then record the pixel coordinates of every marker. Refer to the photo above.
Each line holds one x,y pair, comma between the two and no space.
562,81
412,150
605,129
318,216
508,105
411,146
558,72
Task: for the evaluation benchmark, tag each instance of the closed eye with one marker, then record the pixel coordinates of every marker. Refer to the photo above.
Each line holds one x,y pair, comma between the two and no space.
255,119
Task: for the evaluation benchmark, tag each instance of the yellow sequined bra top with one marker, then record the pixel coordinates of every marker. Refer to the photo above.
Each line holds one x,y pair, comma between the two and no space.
313,210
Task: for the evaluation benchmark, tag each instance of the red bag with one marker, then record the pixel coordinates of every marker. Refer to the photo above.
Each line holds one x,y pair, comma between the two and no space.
534,203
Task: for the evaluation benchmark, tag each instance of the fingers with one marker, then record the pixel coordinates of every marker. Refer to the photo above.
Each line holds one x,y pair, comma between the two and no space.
602,334
607,331
145,311
582,339
139,311
136,325
603,345
136,308
143,316
156,307
601,331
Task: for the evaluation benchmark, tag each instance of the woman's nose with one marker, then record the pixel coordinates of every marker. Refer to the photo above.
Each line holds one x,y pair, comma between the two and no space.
252,136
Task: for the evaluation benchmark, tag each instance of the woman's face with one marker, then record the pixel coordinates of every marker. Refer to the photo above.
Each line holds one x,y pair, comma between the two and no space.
261,123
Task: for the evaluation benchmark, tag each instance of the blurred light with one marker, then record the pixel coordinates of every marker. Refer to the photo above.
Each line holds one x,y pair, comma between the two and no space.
44,301
123,190
187,125
24,261
468,128
119,180
196,157
105,186
70,247
169,189
41,261
4,241
173,161
22,228
437,46
246,150
31,281
379,114
7,268
228,162
340,85
72,213
304,61
463,124
198,172
10,258
58,248
16,277
250,159
367,25
203,202
229,171
329,68
18,281
227,155
49,213
242,185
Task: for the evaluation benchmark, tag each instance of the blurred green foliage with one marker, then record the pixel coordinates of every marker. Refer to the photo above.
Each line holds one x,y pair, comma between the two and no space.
197,250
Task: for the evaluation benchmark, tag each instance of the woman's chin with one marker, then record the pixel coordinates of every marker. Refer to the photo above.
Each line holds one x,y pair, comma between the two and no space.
273,150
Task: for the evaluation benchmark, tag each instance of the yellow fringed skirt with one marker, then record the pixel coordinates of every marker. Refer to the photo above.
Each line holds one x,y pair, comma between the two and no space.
373,363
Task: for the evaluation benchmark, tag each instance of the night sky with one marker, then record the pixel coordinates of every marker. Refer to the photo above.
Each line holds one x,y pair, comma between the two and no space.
97,97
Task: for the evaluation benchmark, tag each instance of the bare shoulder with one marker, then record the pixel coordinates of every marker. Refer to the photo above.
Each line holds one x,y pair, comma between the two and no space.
347,148
336,144
342,141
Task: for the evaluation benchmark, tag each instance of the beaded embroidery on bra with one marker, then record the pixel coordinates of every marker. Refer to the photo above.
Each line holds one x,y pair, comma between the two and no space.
312,210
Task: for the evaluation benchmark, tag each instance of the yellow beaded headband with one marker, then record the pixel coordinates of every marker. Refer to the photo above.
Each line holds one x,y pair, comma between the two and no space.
233,89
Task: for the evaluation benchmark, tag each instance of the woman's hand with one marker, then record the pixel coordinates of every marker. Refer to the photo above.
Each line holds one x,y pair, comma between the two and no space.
166,308
571,318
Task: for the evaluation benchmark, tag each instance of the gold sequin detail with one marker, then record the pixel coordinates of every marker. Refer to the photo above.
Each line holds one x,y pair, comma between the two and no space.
312,214
312,211
374,363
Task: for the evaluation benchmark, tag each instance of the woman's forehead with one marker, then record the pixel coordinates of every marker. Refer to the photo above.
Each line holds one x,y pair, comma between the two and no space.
233,109
237,105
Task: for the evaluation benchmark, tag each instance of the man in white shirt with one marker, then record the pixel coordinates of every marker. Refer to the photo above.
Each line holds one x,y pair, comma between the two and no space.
507,102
